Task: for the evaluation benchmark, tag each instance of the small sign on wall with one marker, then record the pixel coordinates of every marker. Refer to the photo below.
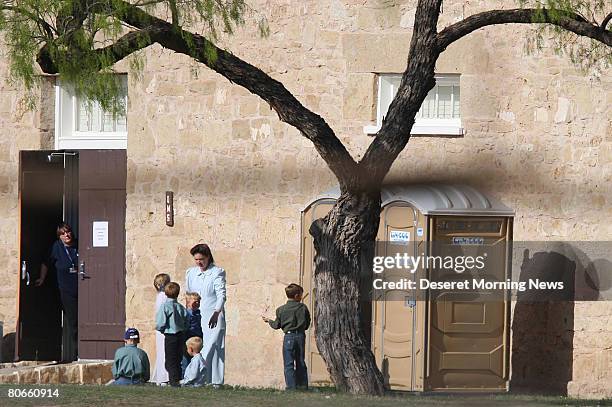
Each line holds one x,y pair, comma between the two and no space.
468,241
400,237
169,208
100,234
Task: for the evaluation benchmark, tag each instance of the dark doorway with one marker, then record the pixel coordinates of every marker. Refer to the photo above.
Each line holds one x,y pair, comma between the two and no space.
81,188
41,196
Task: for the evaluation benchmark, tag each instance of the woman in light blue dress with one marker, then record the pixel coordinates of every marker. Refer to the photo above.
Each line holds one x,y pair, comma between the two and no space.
208,280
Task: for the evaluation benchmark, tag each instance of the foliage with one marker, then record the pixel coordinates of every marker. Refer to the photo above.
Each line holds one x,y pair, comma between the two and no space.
584,52
78,35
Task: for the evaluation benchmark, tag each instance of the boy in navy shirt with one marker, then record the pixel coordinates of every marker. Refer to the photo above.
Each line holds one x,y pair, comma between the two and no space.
194,327
194,316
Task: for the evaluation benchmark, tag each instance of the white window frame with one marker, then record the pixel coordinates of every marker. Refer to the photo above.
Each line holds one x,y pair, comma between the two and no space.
66,135
439,127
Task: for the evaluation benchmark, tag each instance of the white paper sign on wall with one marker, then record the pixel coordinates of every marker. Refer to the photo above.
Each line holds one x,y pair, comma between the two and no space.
100,234
399,237
419,232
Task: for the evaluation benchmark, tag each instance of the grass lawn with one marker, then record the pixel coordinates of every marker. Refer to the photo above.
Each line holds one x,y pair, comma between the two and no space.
75,395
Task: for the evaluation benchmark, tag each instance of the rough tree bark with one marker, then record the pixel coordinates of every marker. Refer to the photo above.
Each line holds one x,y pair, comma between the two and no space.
344,245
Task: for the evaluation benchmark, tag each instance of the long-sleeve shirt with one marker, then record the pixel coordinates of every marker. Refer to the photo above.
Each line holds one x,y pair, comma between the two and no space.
194,327
195,374
171,317
131,362
63,258
293,316
210,284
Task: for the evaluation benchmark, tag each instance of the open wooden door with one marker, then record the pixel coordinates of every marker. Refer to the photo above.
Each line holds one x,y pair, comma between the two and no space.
102,198
39,320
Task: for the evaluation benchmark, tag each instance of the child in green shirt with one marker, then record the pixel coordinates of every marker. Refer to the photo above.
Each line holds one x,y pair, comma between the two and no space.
293,318
131,364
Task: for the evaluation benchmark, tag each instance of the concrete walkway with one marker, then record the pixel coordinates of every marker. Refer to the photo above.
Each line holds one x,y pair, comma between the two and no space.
81,372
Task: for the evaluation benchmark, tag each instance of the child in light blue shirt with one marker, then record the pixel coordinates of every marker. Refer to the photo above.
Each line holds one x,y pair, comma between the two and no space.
195,374
172,321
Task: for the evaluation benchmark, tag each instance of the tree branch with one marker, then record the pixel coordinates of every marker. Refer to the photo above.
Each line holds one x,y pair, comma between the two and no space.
416,82
130,43
418,78
174,12
288,108
605,21
569,21
46,27
71,16
121,48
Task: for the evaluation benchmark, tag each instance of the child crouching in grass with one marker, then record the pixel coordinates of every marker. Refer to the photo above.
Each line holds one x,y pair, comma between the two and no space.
195,374
131,364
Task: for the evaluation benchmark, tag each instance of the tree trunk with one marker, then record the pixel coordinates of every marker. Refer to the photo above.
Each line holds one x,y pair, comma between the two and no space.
344,243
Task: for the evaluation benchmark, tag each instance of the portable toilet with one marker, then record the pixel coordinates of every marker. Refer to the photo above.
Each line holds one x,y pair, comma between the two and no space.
426,340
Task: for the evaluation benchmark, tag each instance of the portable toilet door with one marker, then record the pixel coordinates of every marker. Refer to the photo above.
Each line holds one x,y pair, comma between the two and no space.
317,371
468,339
397,317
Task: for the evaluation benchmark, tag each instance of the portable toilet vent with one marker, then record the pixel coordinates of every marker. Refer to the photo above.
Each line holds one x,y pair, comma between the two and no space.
442,340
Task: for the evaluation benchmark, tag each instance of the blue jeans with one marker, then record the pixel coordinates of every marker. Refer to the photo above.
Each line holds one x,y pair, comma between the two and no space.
126,381
184,363
296,375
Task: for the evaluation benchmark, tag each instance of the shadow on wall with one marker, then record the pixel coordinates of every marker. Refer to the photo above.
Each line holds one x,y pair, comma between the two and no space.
8,347
543,321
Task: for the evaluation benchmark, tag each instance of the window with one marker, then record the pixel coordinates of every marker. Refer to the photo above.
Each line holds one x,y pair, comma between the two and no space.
439,113
80,124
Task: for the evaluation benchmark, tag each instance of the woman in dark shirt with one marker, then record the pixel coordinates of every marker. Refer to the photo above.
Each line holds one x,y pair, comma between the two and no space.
64,258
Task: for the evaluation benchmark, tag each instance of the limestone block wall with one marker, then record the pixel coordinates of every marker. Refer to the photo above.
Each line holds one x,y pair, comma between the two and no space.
538,136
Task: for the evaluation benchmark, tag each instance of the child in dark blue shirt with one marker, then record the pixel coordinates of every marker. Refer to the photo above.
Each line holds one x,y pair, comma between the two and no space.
194,327
193,311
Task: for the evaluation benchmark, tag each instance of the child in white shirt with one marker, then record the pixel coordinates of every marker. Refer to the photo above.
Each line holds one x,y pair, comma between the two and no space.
195,374
160,374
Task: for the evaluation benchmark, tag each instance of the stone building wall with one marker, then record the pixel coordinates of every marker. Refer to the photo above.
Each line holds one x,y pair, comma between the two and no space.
538,136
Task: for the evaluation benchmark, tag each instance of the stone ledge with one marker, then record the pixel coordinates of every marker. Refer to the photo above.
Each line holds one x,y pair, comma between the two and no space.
98,372
25,363
595,389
